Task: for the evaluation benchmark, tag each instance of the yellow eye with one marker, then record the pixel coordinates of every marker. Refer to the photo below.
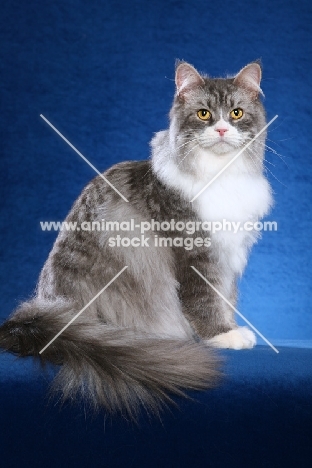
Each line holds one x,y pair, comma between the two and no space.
204,114
237,113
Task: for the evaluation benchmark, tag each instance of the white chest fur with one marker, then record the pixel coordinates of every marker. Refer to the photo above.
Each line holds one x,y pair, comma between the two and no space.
235,199
234,196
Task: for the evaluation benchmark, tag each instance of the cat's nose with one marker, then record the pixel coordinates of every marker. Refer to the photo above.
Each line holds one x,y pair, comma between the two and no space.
221,131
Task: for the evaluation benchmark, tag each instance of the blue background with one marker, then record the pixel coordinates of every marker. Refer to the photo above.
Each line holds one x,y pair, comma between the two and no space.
102,72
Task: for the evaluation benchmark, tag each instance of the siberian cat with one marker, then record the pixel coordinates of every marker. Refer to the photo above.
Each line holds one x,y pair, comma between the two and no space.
150,333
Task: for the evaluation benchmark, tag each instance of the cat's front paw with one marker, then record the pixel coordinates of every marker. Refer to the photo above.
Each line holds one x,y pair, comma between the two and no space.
240,338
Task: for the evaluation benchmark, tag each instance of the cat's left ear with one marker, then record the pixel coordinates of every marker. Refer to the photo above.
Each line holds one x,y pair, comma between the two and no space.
187,78
249,78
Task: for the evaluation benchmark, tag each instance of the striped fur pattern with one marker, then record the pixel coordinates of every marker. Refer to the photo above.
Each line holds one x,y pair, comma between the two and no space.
149,334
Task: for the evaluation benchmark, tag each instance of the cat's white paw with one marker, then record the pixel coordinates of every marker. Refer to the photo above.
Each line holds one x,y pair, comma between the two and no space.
240,338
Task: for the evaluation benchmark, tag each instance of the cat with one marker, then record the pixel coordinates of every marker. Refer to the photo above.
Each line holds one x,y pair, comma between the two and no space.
150,334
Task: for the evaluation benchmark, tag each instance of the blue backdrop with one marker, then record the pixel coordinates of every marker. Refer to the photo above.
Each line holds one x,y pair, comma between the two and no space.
102,72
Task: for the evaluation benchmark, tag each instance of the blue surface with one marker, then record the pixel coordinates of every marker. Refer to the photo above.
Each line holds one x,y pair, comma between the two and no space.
261,416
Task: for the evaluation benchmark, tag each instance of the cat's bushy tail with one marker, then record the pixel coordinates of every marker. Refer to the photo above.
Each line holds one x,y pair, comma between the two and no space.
110,367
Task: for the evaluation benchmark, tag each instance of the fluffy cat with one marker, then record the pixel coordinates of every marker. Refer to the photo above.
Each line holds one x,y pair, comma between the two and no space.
150,333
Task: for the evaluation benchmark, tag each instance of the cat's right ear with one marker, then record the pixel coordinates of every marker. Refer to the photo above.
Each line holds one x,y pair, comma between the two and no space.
186,79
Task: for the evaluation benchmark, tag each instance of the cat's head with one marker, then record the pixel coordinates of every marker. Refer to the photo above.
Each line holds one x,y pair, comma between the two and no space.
218,115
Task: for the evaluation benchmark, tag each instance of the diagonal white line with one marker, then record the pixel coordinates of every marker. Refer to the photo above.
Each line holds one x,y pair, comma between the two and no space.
83,309
235,310
84,158
235,157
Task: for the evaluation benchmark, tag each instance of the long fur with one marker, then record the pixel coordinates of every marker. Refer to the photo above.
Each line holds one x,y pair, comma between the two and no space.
107,366
147,336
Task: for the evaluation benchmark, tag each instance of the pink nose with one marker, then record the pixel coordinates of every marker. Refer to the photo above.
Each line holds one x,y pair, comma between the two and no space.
221,131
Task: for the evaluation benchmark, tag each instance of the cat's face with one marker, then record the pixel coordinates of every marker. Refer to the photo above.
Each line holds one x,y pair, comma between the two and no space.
219,115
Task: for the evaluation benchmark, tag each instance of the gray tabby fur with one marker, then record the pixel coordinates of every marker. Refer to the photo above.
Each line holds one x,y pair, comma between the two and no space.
146,336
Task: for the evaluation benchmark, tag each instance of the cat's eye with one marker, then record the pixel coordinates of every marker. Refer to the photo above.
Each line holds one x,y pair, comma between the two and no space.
237,113
203,114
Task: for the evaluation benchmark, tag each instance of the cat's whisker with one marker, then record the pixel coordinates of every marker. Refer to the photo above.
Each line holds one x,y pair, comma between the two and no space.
264,160
271,150
254,155
269,162
268,170
276,178
186,143
169,153
277,142
251,158
192,149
